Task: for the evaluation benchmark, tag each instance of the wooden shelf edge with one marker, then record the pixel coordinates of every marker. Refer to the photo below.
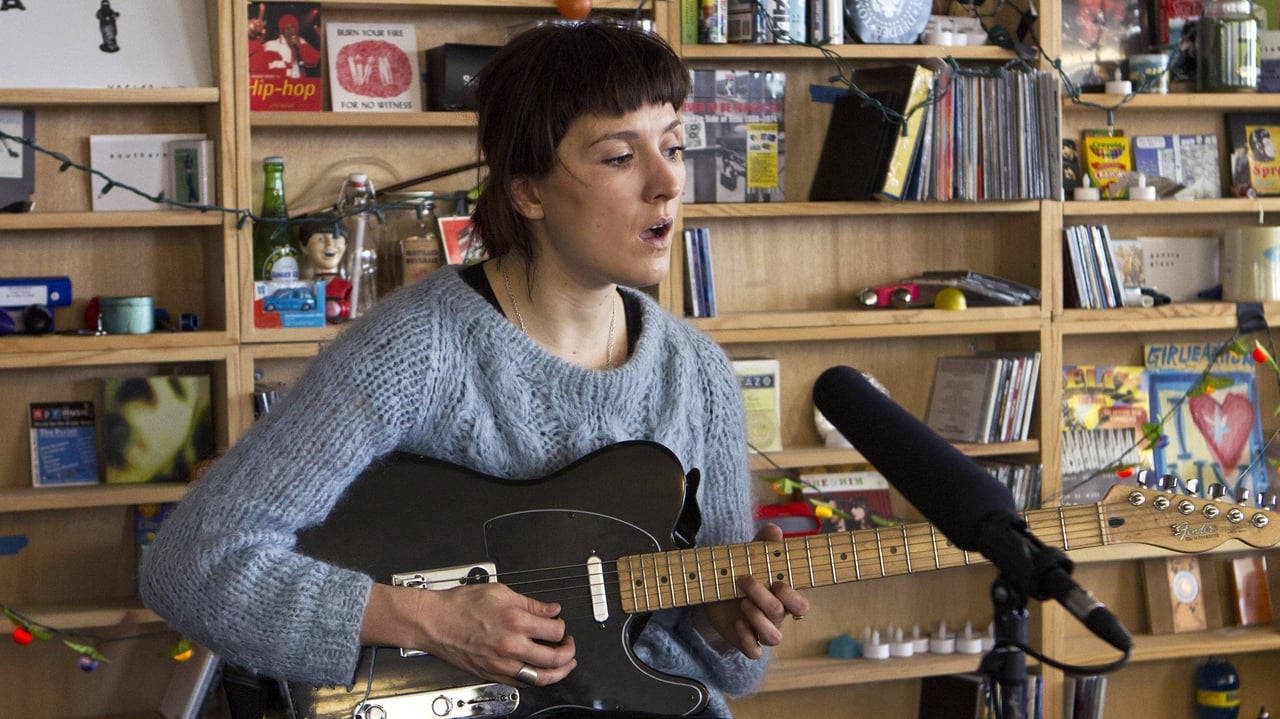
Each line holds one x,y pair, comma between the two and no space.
1154,648
816,456
809,673
1176,100
79,351
781,210
1171,317
35,499
867,324
426,119
110,96
86,615
109,220
1120,208
850,51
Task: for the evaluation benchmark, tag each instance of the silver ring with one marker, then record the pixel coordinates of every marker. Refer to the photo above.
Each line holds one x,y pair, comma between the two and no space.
528,675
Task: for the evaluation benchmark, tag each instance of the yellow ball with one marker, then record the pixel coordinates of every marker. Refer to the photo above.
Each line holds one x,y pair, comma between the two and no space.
950,298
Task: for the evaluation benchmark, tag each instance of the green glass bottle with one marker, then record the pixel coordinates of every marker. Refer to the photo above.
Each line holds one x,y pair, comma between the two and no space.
275,253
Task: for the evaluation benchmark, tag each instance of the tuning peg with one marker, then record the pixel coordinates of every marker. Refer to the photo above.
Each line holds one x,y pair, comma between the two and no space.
1217,490
1243,495
1192,487
1167,483
1144,478
1266,501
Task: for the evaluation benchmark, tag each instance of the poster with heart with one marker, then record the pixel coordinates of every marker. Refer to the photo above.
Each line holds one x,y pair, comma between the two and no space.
1215,437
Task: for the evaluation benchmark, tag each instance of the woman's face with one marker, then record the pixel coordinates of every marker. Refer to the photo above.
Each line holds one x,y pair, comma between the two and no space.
606,213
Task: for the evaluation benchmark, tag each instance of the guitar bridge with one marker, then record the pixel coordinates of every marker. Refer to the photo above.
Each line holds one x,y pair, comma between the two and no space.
441,579
477,701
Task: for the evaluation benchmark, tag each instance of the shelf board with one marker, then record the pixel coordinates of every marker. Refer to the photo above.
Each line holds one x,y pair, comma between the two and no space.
815,672
85,615
1153,648
38,499
108,220
59,350
796,326
1166,318
842,209
851,51
362,119
298,334
548,5
816,456
110,96
1228,205
1177,100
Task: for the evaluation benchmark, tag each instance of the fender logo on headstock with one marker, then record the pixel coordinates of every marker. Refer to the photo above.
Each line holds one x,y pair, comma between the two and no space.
1185,532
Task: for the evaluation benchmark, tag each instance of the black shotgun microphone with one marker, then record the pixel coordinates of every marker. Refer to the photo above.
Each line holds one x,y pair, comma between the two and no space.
957,496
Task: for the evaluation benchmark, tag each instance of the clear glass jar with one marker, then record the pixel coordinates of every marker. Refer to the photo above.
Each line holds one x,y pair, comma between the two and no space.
411,246
1227,47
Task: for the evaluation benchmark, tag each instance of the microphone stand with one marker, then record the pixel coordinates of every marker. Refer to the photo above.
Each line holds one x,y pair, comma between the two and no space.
1006,665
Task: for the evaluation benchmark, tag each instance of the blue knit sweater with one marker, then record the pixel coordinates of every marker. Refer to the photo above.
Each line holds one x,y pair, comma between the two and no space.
435,370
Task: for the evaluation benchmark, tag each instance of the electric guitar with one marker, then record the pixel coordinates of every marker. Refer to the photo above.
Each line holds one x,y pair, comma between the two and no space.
601,537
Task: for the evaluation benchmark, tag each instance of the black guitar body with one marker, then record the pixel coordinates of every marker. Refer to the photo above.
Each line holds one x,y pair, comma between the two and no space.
554,539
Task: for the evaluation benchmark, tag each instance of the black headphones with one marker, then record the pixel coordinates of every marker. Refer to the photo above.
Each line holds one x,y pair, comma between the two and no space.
36,320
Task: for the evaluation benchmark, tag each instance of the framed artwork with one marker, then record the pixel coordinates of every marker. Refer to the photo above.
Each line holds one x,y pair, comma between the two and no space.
462,245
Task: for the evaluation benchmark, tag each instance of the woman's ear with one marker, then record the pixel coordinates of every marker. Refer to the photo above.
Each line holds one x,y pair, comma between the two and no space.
525,197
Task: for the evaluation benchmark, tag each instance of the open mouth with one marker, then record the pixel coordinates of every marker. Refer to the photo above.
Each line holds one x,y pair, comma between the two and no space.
658,230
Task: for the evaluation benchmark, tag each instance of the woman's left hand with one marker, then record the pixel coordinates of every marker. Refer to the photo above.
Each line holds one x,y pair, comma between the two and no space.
755,620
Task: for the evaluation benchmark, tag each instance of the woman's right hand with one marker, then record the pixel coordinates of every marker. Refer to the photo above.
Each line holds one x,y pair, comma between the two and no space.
484,629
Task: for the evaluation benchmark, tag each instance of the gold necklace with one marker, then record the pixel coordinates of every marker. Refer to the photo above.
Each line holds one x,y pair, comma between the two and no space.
511,296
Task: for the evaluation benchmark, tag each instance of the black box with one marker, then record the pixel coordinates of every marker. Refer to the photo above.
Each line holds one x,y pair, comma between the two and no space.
450,69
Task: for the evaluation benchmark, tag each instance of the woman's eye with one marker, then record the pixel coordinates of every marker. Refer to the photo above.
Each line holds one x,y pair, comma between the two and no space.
619,160
675,152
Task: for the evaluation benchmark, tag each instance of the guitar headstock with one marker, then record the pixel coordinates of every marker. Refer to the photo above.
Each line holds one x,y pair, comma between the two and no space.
1183,523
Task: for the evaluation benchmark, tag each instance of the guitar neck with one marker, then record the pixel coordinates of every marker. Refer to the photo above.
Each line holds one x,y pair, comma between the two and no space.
679,578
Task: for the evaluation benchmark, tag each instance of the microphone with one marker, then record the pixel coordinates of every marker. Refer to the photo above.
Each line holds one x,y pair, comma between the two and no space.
957,496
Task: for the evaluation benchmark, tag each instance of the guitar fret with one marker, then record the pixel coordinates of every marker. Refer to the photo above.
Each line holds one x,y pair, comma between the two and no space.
880,554
831,555
808,552
701,573
906,545
666,579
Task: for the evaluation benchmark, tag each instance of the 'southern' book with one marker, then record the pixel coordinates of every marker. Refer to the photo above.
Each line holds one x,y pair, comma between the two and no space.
1213,435
17,161
141,161
155,429
1103,413
373,67
286,57
762,395
64,444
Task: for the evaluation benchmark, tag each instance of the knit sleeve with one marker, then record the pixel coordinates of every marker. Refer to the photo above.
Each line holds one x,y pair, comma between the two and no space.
223,570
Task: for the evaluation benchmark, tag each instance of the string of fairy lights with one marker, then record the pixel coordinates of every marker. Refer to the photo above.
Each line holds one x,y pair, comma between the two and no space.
87,646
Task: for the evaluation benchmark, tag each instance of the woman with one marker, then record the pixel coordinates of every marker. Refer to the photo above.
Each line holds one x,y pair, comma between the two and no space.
514,368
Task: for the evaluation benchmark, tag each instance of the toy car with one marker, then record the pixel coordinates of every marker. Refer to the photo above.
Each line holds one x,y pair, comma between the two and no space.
289,299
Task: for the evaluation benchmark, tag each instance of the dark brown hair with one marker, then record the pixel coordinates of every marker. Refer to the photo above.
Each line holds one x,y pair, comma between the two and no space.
538,84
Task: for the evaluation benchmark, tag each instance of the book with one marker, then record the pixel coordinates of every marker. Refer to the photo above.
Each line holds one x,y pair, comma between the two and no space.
855,150
1189,160
147,519
1103,413
1179,267
1213,436
190,684
735,137
762,398
286,53
462,246
963,400
190,167
1264,166
907,142
862,494
955,696
1237,138
700,292
155,429
17,161
64,444
1166,12
139,161
373,67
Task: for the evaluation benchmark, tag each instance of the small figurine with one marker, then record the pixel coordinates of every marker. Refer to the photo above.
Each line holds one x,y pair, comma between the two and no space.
323,244
107,25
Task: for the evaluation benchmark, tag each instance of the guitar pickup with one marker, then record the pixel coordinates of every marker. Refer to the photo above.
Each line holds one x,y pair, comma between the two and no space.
476,701
441,579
